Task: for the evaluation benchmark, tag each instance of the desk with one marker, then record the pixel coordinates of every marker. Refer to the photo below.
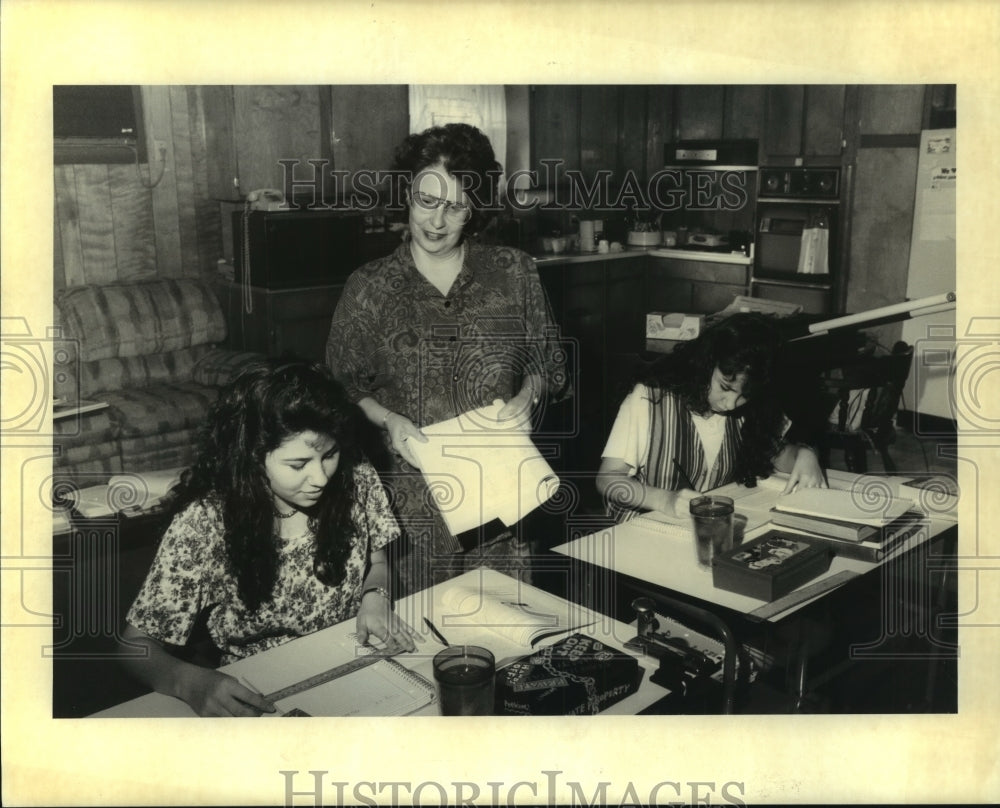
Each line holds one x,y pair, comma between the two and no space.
307,655
624,560
650,552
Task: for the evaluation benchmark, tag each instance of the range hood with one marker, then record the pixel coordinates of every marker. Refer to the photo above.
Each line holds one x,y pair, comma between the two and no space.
721,154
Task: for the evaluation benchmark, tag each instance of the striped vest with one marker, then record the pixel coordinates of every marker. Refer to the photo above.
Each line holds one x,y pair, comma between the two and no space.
672,434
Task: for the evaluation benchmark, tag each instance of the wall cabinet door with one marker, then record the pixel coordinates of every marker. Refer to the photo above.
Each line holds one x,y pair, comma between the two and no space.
803,121
367,123
272,123
599,129
555,130
700,111
249,128
823,122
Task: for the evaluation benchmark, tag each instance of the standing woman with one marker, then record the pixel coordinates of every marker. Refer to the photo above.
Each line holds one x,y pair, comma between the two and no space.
705,415
441,326
279,530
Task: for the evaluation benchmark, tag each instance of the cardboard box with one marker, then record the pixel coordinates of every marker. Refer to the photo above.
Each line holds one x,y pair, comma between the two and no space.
660,325
770,566
577,676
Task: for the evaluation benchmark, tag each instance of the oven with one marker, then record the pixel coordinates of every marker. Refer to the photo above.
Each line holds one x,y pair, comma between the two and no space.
797,239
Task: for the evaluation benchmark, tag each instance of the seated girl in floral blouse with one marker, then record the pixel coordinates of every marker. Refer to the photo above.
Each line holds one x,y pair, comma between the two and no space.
279,530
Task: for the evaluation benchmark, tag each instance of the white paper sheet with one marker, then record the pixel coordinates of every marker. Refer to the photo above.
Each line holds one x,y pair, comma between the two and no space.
479,469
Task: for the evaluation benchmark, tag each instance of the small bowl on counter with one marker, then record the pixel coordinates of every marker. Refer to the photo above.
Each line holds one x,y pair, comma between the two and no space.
643,238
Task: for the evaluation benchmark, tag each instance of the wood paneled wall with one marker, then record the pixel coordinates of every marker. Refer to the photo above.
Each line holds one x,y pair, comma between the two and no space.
127,221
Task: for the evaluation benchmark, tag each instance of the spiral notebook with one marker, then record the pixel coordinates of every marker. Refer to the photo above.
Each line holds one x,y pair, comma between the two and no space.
384,688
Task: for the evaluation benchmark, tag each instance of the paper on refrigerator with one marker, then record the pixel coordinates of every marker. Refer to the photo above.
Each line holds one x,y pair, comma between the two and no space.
479,468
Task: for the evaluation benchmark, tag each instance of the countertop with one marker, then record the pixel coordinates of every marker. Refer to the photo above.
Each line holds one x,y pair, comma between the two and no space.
577,257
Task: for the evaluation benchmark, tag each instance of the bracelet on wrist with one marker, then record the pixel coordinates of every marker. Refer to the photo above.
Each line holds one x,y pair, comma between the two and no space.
380,590
385,418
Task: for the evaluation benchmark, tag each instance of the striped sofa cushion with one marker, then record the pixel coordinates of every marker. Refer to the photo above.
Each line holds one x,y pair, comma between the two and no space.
160,409
132,372
145,317
219,366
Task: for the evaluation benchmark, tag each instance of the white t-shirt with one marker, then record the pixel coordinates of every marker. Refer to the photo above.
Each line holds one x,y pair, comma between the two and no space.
629,438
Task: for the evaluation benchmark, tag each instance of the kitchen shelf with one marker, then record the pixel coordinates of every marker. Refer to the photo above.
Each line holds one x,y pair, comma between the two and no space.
702,255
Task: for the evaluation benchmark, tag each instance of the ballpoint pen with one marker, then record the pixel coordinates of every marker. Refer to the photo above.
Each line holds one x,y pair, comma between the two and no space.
680,469
437,634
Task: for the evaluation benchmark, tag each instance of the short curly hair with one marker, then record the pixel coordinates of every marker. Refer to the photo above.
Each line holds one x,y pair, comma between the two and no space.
467,154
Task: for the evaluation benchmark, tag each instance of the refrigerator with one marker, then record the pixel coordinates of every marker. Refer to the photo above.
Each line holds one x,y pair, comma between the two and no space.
928,390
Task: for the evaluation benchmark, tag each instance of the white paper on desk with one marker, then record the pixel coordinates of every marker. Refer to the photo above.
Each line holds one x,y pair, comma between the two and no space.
148,487
479,469
868,506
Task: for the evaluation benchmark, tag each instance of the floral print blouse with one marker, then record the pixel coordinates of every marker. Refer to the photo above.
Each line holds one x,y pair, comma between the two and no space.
190,575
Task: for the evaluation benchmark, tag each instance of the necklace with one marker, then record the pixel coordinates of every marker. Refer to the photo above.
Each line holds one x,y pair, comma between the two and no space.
281,515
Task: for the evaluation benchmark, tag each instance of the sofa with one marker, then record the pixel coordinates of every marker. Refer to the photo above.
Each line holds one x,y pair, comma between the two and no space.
154,351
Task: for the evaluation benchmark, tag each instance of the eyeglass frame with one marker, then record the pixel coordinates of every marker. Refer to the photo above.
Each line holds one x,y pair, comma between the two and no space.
463,209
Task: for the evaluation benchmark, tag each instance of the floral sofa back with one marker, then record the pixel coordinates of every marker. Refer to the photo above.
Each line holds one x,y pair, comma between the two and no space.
153,351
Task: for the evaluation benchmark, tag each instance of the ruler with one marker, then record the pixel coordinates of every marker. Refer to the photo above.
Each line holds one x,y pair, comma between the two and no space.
798,596
318,679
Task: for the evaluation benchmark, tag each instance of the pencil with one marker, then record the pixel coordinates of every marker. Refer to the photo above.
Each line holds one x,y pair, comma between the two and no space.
437,634
684,477
250,686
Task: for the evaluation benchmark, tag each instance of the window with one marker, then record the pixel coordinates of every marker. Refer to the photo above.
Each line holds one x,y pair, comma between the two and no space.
97,124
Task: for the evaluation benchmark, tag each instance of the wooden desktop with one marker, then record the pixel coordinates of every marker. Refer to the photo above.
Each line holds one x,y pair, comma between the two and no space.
305,655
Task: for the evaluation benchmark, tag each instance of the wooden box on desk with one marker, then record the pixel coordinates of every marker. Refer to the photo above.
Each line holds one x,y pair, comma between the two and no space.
770,566
577,676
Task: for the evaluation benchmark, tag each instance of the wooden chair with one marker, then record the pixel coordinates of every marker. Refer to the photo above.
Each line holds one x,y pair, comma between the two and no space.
865,397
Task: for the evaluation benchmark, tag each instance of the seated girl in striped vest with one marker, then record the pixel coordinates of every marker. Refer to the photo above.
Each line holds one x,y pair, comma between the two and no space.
705,415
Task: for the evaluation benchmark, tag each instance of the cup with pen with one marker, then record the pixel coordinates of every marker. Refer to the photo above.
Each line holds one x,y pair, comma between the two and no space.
712,517
464,676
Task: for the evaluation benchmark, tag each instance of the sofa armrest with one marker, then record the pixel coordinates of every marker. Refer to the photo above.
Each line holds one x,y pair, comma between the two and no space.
221,365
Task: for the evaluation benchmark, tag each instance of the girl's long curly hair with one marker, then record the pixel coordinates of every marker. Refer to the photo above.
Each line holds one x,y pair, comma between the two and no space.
745,343
265,405
467,154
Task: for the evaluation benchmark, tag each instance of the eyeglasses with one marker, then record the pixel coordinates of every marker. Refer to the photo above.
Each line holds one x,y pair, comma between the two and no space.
453,211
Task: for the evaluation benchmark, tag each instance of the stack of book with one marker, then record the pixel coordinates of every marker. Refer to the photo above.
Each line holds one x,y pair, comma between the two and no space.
867,525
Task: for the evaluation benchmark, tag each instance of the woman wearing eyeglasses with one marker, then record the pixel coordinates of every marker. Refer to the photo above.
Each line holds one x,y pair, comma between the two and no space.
443,325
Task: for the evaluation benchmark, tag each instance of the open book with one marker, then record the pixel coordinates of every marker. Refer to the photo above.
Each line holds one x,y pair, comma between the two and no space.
481,469
524,619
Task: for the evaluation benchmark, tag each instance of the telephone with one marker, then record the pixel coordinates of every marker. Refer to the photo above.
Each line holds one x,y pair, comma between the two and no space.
266,199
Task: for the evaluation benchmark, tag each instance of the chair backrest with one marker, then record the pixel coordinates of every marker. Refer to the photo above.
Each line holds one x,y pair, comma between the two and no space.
868,392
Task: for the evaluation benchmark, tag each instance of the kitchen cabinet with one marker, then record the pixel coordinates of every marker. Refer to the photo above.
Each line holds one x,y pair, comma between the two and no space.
600,310
280,320
368,122
594,129
249,128
599,129
803,121
700,111
691,286
555,131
